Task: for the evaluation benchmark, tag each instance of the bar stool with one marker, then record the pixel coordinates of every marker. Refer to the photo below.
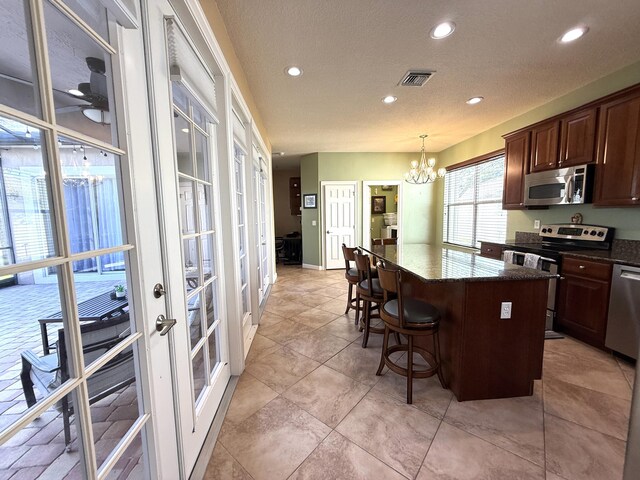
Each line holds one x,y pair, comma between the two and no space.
369,292
351,274
413,318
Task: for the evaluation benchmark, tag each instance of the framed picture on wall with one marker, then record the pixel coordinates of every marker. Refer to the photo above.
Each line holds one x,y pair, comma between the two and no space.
378,204
309,200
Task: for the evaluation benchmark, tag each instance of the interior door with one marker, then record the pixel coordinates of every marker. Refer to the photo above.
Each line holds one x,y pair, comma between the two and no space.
339,205
260,219
185,105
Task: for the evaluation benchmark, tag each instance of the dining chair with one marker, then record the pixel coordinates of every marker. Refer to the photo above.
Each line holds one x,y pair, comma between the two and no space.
410,317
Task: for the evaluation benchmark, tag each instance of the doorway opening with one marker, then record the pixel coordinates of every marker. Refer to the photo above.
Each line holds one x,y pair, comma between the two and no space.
381,211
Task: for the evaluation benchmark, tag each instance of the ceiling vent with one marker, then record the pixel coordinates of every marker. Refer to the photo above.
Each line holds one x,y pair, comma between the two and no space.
415,78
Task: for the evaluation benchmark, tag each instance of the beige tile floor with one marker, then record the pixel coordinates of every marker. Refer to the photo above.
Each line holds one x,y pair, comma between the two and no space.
309,406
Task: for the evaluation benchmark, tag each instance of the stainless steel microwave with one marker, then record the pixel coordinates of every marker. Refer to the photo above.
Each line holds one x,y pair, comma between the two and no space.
563,186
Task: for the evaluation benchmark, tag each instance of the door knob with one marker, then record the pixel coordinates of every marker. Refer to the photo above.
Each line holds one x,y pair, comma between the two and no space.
158,290
164,324
328,232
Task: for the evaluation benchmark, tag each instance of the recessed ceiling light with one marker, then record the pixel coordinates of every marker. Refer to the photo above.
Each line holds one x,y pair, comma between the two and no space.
474,100
389,99
75,92
442,30
293,71
573,34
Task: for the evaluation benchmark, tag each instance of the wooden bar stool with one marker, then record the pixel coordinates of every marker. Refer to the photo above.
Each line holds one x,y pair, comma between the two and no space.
369,292
351,274
410,317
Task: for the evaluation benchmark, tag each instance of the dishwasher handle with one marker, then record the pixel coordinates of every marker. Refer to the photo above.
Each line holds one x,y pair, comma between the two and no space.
630,275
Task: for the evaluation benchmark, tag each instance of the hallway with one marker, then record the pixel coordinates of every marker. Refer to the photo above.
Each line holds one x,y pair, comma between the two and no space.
309,406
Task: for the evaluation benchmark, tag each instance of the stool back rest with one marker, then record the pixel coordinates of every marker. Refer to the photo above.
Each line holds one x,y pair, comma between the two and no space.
390,281
363,265
348,254
377,241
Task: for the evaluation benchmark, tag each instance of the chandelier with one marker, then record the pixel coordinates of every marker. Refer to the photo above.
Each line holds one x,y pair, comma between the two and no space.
424,171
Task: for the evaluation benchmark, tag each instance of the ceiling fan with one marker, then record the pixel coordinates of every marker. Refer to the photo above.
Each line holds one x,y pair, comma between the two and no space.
95,92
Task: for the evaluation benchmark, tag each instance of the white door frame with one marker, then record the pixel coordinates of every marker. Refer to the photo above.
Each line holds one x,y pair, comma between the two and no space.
323,184
366,207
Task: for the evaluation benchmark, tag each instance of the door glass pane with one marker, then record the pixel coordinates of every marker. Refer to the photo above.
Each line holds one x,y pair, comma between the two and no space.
78,63
31,328
212,303
26,194
39,449
204,207
199,374
187,206
130,466
91,182
194,320
202,164
183,144
214,357
93,13
17,75
191,270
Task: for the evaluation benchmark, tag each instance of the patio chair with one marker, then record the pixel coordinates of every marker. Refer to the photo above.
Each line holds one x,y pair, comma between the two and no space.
50,371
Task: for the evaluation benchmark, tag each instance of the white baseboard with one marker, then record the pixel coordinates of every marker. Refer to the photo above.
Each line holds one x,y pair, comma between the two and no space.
312,267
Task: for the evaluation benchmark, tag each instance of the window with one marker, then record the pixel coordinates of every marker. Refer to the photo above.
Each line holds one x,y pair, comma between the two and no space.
473,204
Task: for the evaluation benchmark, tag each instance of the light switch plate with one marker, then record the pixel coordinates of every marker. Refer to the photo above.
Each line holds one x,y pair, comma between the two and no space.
536,224
313,223
505,310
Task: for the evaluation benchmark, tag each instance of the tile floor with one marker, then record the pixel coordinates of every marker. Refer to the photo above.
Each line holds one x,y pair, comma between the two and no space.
309,406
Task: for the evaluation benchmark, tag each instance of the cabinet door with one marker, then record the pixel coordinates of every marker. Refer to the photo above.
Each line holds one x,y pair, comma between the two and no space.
516,158
582,308
544,146
618,172
578,138
491,250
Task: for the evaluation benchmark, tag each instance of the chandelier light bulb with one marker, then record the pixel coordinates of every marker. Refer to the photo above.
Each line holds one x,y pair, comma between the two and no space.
431,162
442,172
414,164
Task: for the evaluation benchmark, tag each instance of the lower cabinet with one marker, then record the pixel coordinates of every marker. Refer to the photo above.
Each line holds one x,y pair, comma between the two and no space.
583,300
491,250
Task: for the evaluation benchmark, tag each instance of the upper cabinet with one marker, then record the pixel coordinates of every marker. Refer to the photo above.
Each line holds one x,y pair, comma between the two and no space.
578,138
618,172
516,154
544,146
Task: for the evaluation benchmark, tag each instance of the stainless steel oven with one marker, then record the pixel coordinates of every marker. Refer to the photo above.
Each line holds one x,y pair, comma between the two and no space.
562,186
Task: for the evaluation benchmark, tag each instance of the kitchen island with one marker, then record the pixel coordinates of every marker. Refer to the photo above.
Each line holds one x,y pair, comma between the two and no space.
483,356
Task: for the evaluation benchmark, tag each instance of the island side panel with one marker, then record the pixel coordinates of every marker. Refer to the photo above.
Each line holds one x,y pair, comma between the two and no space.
502,357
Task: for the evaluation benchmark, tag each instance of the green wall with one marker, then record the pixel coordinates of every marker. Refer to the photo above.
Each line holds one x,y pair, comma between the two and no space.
309,184
626,220
417,221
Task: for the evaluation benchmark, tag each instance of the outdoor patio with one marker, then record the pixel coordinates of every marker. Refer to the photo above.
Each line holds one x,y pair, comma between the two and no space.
38,451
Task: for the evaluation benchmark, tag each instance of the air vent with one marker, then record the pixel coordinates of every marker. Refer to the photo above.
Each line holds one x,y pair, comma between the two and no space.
415,78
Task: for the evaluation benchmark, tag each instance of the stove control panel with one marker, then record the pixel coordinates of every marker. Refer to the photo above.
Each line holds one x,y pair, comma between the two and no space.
569,231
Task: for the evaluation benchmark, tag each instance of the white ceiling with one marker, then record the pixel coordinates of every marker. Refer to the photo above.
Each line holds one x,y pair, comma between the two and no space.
354,52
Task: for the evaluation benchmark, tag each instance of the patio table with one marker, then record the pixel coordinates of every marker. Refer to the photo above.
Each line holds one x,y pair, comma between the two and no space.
92,310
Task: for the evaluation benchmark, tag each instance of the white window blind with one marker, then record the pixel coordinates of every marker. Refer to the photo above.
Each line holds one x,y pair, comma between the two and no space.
473,204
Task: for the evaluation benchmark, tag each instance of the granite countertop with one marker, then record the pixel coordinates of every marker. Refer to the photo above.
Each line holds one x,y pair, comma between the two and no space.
438,264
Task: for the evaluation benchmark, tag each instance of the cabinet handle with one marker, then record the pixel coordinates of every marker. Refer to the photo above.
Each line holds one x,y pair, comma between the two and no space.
489,249
581,267
635,199
561,278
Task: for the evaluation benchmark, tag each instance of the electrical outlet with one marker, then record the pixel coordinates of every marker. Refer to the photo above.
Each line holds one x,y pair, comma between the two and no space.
505,310
536,224
313,223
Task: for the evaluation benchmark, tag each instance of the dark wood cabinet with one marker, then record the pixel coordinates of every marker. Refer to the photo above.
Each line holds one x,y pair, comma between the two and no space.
578,138
516,153
491,250
295,198
618,171
583,299
544,146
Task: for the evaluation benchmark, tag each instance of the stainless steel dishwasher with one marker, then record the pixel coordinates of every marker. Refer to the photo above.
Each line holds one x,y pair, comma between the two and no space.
623,325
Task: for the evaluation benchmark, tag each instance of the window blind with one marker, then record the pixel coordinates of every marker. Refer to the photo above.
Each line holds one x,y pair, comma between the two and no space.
473,204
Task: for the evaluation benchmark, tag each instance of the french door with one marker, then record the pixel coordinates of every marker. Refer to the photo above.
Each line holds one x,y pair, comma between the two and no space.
339,207
188,195
260,220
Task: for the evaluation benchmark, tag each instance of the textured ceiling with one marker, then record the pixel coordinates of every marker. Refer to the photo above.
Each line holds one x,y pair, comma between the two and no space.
354,52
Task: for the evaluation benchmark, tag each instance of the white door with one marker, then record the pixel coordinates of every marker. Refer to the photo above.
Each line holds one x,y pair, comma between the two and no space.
188,195
260,219
339,205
